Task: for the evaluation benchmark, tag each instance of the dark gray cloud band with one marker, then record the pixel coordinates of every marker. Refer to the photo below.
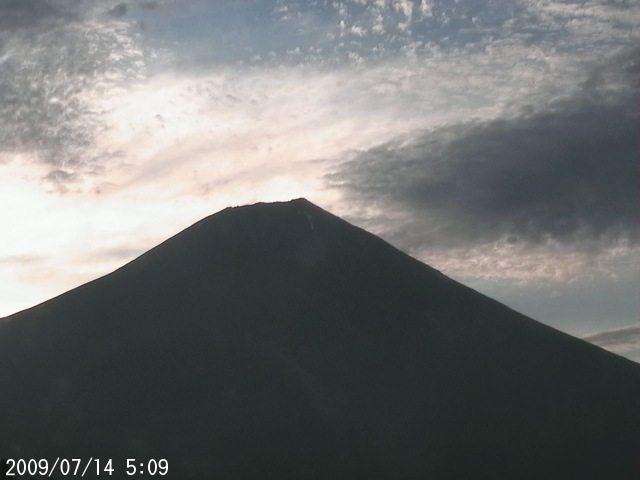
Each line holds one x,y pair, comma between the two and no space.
567,173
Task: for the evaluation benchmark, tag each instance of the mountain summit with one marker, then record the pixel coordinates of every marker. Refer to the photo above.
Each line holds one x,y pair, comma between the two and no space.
278,341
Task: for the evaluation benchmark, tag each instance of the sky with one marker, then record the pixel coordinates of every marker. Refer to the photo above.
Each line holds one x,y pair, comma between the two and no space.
496,141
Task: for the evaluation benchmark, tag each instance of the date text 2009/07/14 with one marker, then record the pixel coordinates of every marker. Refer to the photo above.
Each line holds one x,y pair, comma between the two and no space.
77,467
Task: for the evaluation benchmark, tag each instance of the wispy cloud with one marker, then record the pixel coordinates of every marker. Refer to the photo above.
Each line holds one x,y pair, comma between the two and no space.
21,259
628,337
624,341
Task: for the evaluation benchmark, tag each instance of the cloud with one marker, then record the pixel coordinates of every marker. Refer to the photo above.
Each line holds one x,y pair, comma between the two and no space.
55,79
21,260
120,10
19,14
376,30
148,5
57,58
230,117
622,341
585,22
565,173
615,339
121,254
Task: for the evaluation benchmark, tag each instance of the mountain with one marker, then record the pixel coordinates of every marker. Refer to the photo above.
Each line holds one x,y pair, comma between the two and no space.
278,341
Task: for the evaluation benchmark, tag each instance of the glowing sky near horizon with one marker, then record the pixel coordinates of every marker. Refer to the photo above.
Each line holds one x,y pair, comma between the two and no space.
496,142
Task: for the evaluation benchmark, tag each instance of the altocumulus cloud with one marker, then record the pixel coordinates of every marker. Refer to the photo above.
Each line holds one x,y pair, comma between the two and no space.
565,173
56,58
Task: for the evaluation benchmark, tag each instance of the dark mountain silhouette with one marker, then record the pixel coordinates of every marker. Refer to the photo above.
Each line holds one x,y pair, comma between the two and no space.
278,341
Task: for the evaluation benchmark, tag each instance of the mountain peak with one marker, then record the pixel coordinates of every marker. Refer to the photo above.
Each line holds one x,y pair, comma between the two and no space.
278,341
268,232
298,203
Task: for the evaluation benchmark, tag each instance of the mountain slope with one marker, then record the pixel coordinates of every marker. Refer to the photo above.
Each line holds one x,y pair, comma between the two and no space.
278,341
